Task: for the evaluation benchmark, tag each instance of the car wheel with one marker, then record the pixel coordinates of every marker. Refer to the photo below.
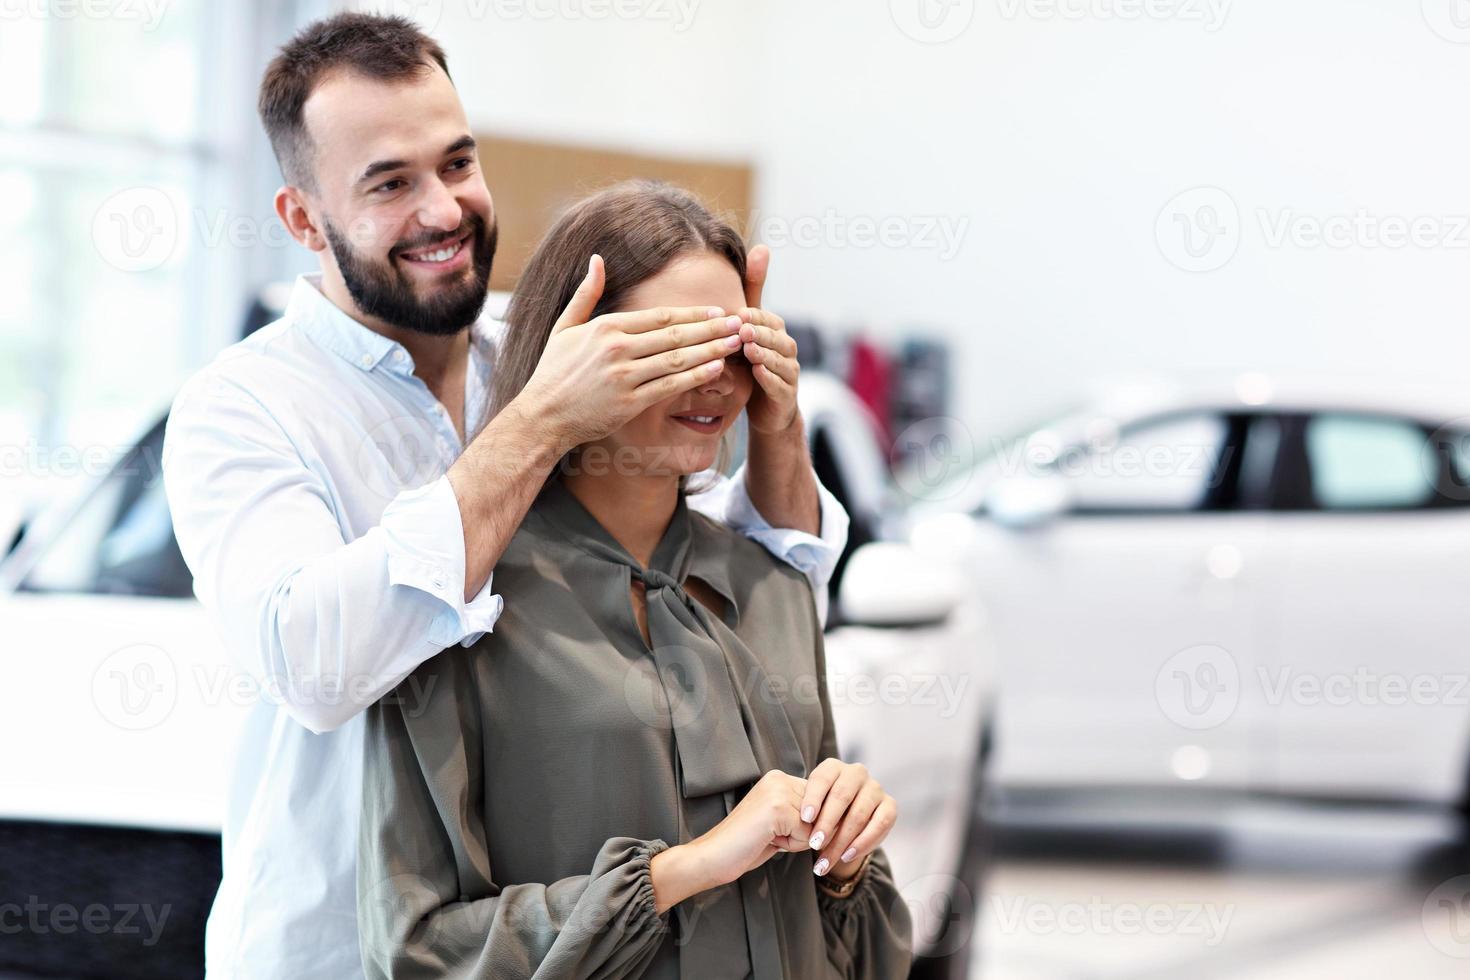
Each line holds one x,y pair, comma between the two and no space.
957,941
112,902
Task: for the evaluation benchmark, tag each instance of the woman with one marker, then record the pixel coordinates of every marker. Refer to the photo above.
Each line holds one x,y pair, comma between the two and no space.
626,777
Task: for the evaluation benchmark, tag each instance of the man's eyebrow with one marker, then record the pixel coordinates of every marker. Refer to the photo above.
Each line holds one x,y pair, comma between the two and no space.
466,142
381,166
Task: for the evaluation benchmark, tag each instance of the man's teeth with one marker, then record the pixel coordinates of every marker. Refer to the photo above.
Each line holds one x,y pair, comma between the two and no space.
442,255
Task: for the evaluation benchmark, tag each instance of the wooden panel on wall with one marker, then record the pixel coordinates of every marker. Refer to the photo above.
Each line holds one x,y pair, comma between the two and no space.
532,183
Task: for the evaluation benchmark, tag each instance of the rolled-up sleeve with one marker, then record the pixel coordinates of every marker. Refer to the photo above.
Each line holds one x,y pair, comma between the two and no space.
425,541
325,625
428,902
814,555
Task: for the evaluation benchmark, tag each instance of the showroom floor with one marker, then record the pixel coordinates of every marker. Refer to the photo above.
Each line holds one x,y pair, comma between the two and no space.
1269,893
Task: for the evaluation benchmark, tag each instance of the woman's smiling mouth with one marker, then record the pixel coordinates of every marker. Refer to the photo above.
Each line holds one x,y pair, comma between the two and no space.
706,424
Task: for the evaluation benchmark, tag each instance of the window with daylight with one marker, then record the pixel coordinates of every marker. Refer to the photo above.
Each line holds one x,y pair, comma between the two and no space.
129,160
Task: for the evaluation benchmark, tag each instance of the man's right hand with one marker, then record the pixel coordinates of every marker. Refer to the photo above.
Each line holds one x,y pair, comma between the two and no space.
596,374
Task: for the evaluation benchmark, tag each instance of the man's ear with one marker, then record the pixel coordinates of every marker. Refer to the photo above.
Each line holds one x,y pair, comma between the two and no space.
291,208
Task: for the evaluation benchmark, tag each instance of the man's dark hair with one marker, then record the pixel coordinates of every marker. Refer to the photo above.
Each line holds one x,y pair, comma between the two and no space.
387,48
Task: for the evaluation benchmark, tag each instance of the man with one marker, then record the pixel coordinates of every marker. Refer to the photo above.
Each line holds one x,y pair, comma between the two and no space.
341,499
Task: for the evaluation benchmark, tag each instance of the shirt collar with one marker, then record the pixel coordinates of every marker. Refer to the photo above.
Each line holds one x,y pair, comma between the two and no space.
362,347
333,330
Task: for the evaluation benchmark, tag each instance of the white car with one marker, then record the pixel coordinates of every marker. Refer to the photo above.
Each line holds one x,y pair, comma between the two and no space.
1253,585
129,704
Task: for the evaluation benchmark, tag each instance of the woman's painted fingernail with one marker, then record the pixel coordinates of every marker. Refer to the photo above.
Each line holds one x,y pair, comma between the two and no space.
821,867
818,839
807,813
849,854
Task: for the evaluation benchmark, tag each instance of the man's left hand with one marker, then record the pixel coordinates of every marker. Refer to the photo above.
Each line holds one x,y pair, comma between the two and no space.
771,352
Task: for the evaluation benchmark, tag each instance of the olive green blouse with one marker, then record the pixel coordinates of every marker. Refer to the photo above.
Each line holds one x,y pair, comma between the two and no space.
515,791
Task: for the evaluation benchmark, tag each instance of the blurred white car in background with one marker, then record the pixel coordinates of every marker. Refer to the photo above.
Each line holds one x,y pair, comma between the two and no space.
1254,585
125,701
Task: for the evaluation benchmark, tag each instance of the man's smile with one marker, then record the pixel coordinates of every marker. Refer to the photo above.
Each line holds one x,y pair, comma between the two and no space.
442,257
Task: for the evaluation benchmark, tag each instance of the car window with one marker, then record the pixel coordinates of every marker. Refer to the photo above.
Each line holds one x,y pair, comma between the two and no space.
121,540
1365,462
1165,465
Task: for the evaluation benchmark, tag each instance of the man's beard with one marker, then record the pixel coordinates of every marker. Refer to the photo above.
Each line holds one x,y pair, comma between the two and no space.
385,292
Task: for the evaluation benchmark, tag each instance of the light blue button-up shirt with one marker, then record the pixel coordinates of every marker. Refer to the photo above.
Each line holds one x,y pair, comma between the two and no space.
305,469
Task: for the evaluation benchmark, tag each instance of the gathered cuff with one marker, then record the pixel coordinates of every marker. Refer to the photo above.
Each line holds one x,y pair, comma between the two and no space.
637,858
864,893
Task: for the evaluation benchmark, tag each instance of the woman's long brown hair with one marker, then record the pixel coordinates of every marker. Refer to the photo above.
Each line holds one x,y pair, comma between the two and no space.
638,227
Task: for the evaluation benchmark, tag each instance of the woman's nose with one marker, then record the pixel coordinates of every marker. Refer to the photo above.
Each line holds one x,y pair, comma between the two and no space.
722,384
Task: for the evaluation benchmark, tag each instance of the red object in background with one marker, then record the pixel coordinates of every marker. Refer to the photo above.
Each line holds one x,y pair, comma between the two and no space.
870,375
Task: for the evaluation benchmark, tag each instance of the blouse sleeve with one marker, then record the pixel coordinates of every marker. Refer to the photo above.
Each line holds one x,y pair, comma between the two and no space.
869,934
428,903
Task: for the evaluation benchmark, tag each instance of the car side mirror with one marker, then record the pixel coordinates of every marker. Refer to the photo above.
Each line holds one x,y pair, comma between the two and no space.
1026,502
887,583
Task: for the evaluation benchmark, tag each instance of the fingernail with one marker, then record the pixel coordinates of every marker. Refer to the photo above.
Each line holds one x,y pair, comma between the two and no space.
821,867
807,813
818,839
713,312
732,341
849,854
732,323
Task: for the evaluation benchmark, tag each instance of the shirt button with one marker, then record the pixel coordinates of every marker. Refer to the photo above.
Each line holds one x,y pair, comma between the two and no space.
366,360
398,355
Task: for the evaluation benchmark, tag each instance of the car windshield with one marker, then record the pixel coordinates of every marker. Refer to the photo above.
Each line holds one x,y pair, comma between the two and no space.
941,458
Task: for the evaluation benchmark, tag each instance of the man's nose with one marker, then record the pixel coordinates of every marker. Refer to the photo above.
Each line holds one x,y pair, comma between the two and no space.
439,208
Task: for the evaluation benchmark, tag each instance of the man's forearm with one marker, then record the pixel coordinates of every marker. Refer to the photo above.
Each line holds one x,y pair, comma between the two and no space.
780,481
495,480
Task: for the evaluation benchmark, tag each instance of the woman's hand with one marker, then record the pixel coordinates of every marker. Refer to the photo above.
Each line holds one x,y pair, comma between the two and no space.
597,373
851,814
764,823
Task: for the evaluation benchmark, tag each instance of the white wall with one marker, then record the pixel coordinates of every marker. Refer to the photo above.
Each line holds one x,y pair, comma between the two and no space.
672,80
1053,142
